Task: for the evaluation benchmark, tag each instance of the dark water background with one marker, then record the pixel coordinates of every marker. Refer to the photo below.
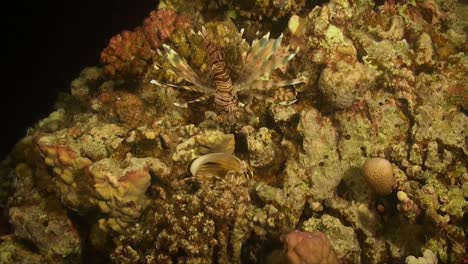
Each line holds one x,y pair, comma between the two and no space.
48,43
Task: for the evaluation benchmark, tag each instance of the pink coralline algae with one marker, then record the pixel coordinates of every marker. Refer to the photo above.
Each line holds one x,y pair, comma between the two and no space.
127,54
130,52
160,24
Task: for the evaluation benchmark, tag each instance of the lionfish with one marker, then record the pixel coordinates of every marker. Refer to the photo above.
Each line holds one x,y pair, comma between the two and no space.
263,56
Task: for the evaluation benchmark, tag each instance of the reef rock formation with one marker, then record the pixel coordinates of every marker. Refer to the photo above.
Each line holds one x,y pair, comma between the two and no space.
107,176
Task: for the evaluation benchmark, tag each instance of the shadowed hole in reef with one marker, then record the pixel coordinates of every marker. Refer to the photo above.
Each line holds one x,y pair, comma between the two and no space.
262,250
379,2
341,189
29,245
269,121
256,200
5,226
309,5
391,204
363,151
352,179
305,215
241,146
83,224
464,110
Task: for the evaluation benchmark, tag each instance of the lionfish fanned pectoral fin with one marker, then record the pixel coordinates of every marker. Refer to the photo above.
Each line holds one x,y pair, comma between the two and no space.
260,51
263,57
197,100
267,66
191,88
182,68
268,84
275,62
258,89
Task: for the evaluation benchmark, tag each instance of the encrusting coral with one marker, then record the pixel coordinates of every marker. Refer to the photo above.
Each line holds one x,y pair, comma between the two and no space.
345,120
121,193
309,248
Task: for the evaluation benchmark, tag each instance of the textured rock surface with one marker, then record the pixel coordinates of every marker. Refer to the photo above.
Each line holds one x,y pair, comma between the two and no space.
105,175
343,239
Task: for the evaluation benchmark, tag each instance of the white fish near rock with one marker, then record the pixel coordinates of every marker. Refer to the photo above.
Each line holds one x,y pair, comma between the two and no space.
217,164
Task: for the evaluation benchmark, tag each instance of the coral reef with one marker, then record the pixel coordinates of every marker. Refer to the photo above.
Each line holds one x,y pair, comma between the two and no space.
211,223
266,9
324,130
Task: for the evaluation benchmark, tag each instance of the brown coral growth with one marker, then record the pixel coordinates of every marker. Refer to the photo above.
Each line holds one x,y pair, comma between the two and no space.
125,107
130,52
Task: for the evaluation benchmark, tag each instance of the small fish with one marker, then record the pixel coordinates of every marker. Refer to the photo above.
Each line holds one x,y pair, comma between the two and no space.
217,165
264,56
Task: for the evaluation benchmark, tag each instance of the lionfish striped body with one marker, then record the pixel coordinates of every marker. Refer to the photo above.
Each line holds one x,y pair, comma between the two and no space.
263,57
225,97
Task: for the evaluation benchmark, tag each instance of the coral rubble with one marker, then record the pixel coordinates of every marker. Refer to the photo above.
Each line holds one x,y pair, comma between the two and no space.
361,156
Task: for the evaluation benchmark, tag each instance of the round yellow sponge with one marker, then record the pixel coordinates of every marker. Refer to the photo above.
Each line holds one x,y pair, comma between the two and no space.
379,174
